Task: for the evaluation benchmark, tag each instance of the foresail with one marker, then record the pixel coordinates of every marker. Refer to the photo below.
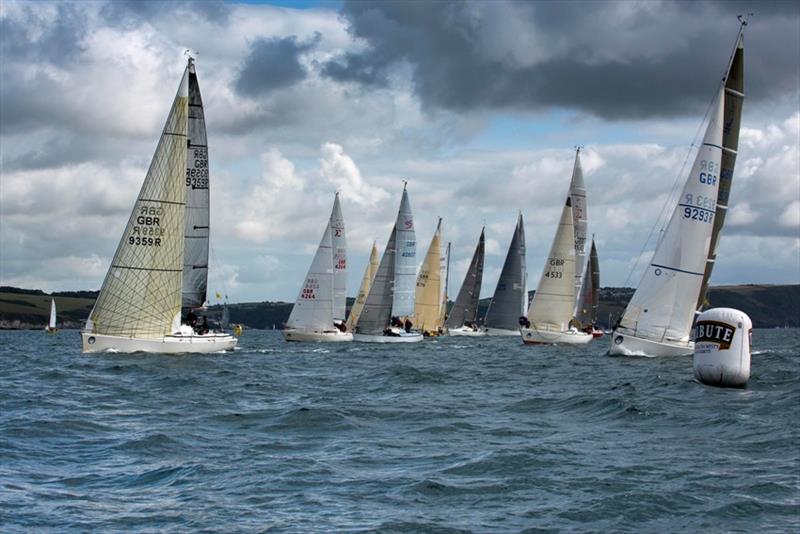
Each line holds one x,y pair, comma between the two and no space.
339,243
510,296
465,308
663,306
554,301
405,262
428,299
734,98
195,259
313,309
577,192
366,283
377,310
141,294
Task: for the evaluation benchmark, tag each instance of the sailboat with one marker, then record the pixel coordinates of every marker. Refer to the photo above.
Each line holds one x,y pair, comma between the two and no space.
463,317
51,325
589,298
428,297
363,290
511,295
140,301
318,312
389,306
658,319
552,309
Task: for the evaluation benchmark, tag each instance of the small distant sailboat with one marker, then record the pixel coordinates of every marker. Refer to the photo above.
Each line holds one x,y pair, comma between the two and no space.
51,325
463,317
511,295
552,309
589,298
366,283
658,319
428,298
156,269
389,306
318,312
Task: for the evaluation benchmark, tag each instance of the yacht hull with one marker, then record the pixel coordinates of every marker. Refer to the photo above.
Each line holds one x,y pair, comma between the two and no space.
627,345
316,337
178,344
542,337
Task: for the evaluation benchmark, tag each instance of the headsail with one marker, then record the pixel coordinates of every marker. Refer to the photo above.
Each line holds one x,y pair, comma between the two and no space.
141,293
510,297
465,308
405,263
377,311
734,98
428,299
195,257
553,303
366,283
339,243
662,308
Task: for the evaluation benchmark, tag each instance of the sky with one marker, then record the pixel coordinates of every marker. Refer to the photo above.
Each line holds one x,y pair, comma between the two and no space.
479,105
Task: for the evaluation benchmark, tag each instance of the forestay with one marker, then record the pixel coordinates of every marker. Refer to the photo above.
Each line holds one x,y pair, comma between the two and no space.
141,293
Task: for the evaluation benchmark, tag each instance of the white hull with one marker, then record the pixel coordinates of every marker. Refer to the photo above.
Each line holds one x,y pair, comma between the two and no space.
404,337
533,337
466,332
212,342
500,332
316,337
627,345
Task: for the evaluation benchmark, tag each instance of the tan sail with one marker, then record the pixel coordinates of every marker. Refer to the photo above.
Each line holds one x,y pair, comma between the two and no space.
141,294
363,291
428,298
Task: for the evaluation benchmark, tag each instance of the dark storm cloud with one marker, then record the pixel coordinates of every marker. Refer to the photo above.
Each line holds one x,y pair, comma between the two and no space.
614,60
272,64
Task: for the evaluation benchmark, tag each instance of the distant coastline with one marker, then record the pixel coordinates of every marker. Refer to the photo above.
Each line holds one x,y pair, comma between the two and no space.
769,306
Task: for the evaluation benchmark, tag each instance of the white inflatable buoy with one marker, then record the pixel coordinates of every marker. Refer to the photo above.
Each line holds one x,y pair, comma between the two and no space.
722,348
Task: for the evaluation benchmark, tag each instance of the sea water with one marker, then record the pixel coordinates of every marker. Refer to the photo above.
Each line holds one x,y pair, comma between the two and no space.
448,435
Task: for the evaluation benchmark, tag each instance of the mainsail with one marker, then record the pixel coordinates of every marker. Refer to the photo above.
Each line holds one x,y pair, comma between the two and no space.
589,299
465,308
313,309
553,303
662,308
339,244
52,323
577,192
195,256
366,283
510,297
377,311
428,300
141,293
405,263
732,116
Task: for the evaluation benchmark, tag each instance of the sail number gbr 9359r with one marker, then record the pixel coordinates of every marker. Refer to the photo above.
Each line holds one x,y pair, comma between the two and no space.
146,230
197,168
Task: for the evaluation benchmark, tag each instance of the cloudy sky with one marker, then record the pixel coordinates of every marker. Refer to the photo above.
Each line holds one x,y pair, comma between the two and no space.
477,104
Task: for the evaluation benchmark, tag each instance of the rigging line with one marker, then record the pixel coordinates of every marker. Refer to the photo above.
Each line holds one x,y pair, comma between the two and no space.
670,200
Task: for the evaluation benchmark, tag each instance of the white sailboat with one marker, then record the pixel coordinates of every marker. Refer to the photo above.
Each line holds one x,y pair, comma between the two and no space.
363,290
318,312
659,317
51,325
389,306
552,309
430,285
139,305
463,317
511,294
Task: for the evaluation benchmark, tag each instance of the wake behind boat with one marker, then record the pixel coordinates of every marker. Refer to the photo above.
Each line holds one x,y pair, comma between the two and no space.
139,305
318,312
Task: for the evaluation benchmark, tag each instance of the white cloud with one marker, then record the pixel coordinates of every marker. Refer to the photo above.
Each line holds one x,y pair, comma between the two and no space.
791,215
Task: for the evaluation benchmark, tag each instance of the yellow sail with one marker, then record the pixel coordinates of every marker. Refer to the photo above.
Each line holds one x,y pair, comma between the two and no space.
428,301
141,294
363,291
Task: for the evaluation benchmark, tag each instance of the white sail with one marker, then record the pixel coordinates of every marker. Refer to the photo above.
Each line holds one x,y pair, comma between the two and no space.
52,323
141,293
195,257
313,309
339,243
662,308
405,264
577,192
553,303
428,299
363,291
